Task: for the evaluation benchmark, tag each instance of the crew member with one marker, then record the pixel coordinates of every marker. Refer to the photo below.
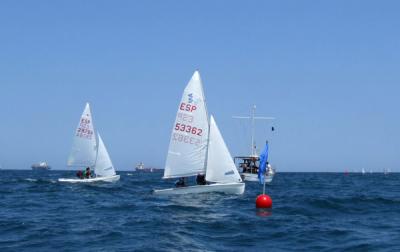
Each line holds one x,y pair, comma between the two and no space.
88,173
180,182
79,174
201,179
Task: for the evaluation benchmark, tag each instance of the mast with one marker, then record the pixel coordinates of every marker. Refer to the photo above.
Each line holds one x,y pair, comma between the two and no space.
208,124
96,136
253,151
253,119
97,154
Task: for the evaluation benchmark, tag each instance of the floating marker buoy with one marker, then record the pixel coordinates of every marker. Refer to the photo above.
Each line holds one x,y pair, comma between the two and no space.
263,201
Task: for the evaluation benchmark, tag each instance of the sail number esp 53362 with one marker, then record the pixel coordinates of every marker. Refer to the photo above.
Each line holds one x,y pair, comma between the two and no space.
188,129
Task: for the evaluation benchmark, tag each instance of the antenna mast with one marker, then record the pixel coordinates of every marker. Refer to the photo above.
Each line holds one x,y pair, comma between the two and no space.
253,119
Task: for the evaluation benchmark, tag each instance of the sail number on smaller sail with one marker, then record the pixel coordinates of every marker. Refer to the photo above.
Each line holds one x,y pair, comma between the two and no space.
184,131
84,129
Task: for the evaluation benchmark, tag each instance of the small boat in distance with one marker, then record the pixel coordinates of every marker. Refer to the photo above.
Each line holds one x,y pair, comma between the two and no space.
248,165
88,150
197,148
139,166
41,166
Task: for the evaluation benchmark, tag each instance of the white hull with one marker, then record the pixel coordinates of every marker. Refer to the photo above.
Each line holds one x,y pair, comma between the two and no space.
40,168
251,177
90,180
229,188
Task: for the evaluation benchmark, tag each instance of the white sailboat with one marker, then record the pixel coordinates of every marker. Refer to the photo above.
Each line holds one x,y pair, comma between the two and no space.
197,147
88,150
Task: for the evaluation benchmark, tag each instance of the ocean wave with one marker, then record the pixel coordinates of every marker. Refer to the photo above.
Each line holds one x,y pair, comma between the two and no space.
311,212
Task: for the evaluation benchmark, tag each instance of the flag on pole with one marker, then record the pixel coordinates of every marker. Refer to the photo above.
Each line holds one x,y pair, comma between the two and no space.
263,164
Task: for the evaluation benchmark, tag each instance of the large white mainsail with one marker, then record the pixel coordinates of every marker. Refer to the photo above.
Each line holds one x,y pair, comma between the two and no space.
220,166
188,145
84,147
104,166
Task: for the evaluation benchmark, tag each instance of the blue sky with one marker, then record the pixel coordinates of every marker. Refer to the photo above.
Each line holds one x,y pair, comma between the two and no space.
327,70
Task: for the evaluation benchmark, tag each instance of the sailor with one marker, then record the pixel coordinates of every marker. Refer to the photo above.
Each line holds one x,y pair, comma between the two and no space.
79,174
244,167
201,179
87,172
180,182
254,169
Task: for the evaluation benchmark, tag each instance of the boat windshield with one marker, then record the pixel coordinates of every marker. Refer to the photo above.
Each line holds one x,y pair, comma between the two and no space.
248,164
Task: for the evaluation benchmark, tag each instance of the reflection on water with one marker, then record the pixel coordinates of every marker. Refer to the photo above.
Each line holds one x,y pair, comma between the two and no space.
263,212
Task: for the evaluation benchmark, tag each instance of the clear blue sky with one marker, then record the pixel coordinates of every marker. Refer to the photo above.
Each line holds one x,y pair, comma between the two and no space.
328,70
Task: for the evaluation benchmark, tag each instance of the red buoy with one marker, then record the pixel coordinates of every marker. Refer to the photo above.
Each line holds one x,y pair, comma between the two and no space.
263,201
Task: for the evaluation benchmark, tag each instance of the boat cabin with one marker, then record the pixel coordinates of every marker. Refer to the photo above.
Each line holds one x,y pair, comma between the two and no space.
248,164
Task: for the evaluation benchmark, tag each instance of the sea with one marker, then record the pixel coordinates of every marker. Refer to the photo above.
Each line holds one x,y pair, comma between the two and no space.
310,212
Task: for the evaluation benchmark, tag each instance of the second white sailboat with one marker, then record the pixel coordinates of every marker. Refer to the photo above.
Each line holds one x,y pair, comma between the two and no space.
88,150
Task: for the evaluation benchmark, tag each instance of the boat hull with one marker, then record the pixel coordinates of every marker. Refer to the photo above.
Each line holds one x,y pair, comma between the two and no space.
114,178
40,168
229,188
251,177
148,170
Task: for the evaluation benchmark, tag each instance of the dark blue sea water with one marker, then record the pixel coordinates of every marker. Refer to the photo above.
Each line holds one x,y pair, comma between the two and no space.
311,212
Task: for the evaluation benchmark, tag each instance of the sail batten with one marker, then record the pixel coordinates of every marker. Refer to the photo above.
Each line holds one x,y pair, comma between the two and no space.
188,144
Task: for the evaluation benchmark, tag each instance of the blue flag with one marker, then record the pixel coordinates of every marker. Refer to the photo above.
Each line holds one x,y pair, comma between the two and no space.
263,164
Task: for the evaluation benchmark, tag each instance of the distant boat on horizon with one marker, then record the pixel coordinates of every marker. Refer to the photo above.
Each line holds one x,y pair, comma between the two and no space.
139,166
41,166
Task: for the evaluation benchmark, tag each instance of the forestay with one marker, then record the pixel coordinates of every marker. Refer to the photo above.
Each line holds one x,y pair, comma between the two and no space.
104,166
84,147
188,143
220,166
